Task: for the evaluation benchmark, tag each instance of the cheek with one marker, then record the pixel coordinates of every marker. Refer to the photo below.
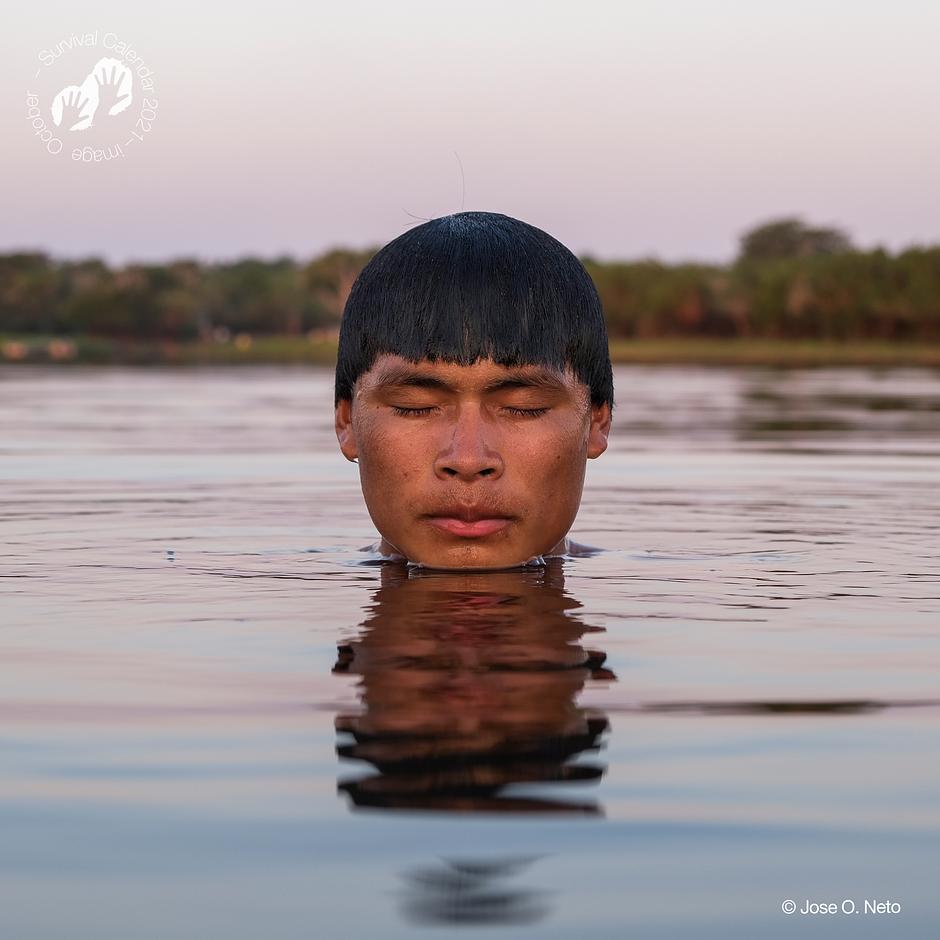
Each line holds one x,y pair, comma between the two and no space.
393,452
555,464
559,453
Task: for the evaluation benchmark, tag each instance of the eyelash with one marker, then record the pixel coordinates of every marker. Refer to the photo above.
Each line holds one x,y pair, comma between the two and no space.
519,412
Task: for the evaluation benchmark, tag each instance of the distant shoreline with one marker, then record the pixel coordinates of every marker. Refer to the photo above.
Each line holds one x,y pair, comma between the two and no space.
284,350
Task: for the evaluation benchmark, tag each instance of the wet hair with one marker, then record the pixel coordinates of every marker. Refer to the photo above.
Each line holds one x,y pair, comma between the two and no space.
476,285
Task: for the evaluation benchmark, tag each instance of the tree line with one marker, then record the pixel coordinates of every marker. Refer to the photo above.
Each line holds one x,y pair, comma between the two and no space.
789,281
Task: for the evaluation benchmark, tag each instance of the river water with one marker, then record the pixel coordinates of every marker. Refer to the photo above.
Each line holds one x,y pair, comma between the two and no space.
220,718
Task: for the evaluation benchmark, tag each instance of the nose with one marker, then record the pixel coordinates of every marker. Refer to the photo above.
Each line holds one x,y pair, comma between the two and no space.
469,450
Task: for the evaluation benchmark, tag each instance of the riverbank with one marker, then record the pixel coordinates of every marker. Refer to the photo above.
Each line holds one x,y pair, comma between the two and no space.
245,349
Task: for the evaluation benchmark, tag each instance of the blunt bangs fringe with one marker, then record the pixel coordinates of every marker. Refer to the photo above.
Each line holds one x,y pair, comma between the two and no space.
471,286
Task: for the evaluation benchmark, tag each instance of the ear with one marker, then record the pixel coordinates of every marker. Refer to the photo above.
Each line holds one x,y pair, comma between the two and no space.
344,430
599,430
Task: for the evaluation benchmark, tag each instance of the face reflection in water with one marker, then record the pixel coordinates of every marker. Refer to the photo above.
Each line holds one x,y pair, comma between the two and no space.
468,685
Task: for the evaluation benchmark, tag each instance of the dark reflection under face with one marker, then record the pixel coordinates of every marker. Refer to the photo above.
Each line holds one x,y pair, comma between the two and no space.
473,892
468,684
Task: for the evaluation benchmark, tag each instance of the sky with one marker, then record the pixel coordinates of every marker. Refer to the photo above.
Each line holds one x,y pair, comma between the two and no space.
625,129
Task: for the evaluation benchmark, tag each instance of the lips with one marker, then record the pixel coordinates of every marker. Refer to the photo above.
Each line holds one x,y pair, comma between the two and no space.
469,521
468,513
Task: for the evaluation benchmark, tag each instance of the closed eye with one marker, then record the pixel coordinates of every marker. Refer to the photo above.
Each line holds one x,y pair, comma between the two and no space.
517,412
526,412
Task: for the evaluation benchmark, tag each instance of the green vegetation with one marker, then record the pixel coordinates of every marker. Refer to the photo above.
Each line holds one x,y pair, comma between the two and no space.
791,238
794,295
178,301
299,350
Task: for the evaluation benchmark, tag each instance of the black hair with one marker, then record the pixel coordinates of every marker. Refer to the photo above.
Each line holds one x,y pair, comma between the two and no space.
476,285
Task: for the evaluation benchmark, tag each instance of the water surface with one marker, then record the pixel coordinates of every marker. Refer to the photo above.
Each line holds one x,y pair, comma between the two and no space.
218,718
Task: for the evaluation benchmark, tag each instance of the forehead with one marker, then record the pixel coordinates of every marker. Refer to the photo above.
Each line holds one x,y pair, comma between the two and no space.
484,375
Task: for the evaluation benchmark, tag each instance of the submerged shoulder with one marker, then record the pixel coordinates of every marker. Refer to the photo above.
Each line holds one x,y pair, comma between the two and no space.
579,550
571,549
376,548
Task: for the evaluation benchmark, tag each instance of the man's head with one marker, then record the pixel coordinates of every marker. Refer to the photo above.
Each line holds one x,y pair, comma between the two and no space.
473,382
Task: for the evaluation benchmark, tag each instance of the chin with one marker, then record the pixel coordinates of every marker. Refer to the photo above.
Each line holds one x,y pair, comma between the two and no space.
469,566
471,559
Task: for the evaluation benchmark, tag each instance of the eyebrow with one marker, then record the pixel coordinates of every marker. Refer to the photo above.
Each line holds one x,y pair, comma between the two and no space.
406,377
